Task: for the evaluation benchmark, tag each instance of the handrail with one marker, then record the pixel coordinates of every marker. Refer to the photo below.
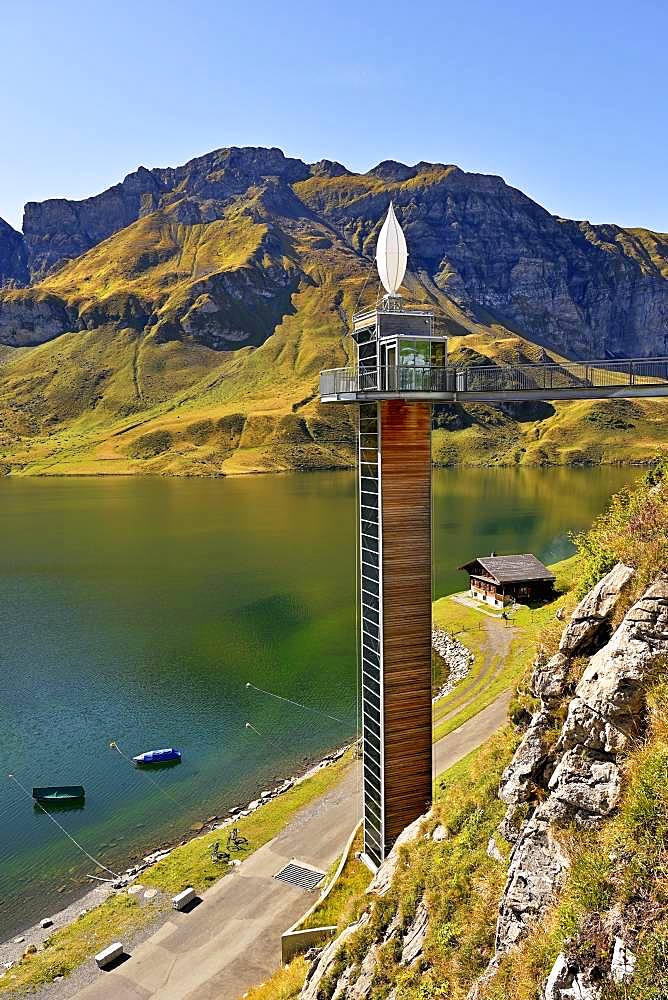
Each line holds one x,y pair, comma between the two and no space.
536,376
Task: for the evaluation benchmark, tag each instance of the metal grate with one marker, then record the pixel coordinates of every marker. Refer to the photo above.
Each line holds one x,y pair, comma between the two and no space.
307,878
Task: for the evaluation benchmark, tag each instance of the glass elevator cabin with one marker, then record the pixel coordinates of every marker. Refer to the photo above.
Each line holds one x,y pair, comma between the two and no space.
397,349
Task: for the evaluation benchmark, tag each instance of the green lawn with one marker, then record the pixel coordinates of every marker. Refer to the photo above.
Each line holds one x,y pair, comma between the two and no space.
190,864
117,918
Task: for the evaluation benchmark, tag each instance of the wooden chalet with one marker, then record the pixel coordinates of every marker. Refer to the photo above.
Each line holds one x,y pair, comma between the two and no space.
500,580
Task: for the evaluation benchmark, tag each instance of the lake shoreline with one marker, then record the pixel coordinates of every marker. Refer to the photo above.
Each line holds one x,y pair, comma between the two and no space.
640,463
12,949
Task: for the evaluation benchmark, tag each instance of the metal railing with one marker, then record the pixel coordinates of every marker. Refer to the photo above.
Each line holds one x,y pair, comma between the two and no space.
403,378
568,375
539,378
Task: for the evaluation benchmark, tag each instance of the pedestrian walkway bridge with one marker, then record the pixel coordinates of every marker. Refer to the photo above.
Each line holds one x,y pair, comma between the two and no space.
623,379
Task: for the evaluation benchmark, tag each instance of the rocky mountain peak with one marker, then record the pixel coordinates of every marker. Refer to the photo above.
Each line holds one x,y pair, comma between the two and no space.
60,229
580,289
392,170
329,168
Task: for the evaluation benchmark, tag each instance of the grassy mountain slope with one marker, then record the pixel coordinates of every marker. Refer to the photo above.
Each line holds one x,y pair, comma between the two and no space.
189,341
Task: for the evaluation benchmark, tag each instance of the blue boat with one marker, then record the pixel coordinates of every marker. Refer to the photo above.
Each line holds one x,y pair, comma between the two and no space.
167,756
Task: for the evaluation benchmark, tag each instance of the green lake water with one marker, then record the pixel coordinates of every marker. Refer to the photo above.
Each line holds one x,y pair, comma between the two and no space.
137,610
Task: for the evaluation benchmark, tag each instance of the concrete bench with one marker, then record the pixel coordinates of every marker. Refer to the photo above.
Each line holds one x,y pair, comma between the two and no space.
184,898
109,955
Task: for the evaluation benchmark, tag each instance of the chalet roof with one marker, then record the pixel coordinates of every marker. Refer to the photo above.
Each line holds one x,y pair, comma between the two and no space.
511,569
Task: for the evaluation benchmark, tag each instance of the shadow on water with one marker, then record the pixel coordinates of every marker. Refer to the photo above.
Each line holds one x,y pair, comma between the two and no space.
158,765
77,806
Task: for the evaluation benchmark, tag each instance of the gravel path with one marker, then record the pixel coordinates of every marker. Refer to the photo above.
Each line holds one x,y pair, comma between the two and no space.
498,637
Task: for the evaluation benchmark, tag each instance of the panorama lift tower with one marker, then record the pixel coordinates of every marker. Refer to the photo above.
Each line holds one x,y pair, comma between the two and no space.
401,370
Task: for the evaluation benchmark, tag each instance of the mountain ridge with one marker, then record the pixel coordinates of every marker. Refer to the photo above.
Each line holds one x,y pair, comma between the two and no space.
231,280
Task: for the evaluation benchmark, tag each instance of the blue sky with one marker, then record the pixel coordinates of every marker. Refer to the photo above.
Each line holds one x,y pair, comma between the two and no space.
566,101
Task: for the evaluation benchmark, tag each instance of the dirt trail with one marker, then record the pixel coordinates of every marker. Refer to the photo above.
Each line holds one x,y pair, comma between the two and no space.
499,635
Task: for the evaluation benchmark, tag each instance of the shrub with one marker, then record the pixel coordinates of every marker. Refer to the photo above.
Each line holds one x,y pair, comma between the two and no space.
151,444
634,530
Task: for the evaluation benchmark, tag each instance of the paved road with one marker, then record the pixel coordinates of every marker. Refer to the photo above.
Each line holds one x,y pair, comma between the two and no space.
231,941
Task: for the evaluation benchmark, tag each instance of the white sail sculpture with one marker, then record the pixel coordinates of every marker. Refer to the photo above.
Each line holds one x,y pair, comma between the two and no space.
391,253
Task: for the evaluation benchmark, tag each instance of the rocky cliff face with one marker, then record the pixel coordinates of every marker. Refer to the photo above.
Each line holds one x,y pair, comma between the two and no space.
590,291
564,775
578,780
586,290
60,229
13,256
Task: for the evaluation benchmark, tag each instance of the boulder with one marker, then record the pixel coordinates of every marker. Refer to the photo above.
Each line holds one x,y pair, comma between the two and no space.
524,772
623,962
415,935
549,679
585,787
511,824
537,865
560,978
608,708
594,610
361,988
566,982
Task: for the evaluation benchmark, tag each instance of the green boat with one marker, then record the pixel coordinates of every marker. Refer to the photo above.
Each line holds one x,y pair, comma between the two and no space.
59,795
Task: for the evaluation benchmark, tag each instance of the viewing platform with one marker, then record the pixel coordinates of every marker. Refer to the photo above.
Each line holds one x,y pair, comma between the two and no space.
624,379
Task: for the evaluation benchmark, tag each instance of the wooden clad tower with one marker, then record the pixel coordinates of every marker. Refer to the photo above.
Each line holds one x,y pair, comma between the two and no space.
396,347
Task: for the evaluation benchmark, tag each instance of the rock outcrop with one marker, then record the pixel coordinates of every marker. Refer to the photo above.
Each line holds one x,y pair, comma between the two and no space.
594,611
34,318
573,979
577,778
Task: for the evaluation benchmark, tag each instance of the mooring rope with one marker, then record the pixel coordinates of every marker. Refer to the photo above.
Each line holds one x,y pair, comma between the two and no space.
299,704
270,739
76,843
